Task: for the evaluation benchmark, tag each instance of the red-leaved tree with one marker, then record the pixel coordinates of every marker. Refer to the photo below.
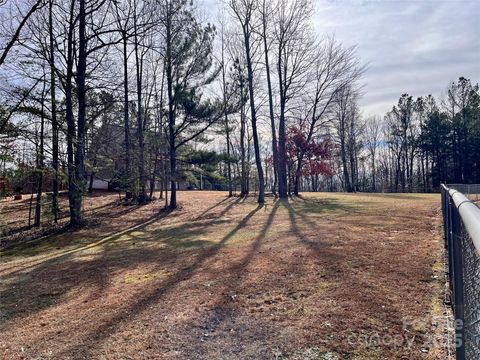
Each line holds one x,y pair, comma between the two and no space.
317,153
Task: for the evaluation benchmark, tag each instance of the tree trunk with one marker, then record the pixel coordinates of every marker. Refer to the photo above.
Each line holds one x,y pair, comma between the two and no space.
171,118
126,118
282,152
164,164
256,144
55,208
90,182
40,166
173,170
353,169
244,186
79,185
140,126
298,172
270,103
346,175
229,165
374,174
227,130
72,195
153,178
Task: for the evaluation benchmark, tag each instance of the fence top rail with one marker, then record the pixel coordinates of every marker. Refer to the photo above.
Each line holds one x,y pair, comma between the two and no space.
469,212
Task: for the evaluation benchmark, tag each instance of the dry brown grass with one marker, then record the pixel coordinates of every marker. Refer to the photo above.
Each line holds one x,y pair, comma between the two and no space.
225,278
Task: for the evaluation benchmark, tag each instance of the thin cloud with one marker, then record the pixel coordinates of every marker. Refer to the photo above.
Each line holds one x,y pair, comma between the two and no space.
412,46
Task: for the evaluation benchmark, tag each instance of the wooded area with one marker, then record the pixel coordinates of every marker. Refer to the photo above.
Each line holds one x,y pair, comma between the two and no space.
147,97
236,179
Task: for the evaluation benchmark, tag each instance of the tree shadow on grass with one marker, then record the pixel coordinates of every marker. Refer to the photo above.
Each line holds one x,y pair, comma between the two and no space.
49,241
322,206
370,298
226,321
20,224
93,215
124,315
206,211
206,214
224,316
48,281
182,254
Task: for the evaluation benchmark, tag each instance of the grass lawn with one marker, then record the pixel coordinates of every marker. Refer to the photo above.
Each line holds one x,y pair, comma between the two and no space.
322,276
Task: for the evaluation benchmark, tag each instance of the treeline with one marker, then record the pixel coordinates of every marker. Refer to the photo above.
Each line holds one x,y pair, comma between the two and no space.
417,145
142,88
147,96
436,141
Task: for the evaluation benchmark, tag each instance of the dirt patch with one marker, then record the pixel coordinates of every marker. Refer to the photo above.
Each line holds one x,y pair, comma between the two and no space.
324,276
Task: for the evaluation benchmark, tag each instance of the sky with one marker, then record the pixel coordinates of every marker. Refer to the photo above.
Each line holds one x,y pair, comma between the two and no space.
415,47
411,46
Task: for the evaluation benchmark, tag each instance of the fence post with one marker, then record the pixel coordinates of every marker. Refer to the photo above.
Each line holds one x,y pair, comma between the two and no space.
444,215
449,207
456,243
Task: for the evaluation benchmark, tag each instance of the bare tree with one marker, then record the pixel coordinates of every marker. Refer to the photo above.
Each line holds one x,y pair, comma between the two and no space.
124,14
37,4
244,11
88,30
334,69
294,44
372,139
53,105
343,100
266,12
40,158
141,46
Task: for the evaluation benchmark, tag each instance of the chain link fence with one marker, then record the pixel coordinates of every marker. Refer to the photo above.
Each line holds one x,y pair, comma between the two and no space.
461,222
471,191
